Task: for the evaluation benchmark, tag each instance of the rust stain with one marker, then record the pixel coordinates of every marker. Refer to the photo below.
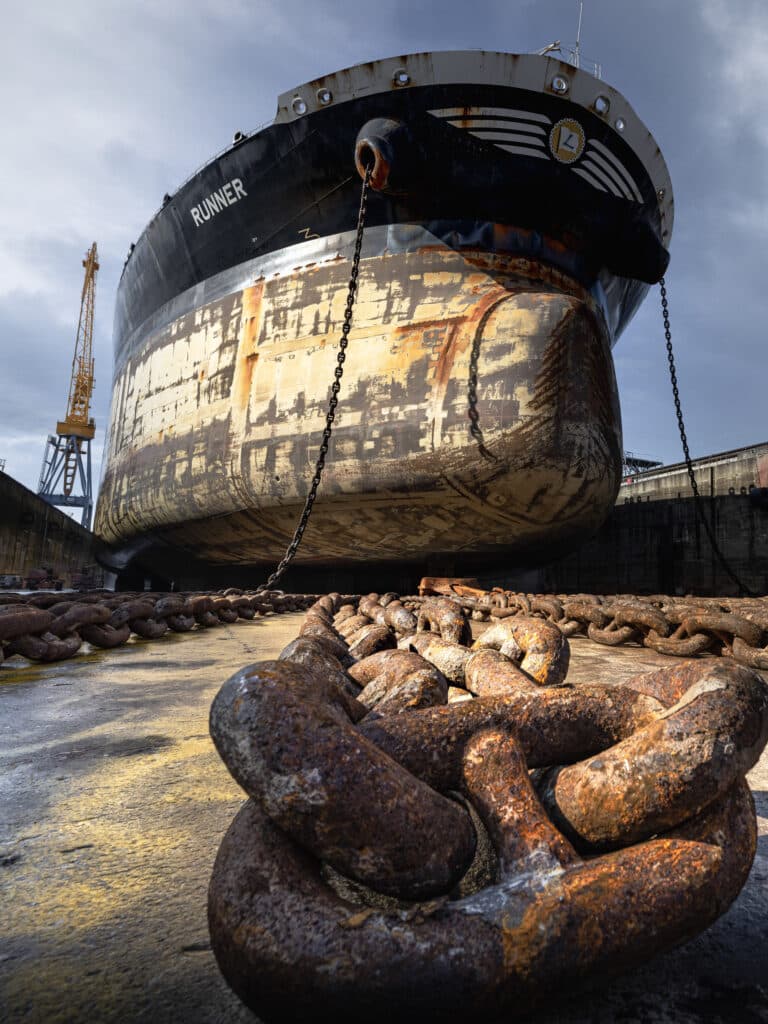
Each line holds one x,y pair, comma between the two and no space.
247,355
244,438
406,330
465,119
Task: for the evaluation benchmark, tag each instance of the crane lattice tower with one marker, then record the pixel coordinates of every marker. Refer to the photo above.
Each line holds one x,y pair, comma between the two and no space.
65,478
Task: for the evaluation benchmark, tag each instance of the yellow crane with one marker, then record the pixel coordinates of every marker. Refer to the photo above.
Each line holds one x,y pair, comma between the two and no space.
67,458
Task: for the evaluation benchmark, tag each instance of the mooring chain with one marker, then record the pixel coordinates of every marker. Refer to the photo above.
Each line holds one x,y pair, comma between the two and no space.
674,626
474,358
334,399
395,816
708,529
52,627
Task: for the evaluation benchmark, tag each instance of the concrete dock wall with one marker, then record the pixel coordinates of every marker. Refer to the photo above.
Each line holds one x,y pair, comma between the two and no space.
34,535
660,547
739,471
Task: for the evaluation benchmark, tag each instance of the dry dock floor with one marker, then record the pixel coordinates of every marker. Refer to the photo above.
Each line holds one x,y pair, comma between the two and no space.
112,805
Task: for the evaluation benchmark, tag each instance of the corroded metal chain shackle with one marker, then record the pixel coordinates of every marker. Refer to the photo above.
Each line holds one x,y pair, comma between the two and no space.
396,856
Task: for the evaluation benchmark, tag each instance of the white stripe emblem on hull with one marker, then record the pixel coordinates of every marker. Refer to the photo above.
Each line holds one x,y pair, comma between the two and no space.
619,166
605,173
496,135
521,132
515,131
523,151
588,178
470,112
494,124
606,179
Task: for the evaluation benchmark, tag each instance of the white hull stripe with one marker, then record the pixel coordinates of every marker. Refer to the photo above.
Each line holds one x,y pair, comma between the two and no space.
472,123
524,151
606,173
499,137
464,113
610,185
588,178
618,166
521,132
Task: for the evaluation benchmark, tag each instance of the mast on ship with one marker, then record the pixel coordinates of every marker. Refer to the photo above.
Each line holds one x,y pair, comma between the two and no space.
573,54
577,47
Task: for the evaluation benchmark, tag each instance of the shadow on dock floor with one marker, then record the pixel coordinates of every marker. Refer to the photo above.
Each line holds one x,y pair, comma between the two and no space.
112,806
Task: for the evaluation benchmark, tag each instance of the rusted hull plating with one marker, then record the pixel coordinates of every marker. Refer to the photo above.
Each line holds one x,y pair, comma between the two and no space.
217,416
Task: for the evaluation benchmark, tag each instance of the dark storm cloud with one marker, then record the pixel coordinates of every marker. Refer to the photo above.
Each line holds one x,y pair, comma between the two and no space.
712,134
116,104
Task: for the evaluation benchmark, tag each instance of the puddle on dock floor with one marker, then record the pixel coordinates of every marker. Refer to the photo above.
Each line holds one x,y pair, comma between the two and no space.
112,806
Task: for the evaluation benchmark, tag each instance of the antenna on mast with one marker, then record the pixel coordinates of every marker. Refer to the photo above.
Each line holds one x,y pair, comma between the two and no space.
573,53
577,47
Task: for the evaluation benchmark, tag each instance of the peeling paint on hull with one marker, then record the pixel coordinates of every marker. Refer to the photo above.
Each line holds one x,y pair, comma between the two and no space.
519,210
217,415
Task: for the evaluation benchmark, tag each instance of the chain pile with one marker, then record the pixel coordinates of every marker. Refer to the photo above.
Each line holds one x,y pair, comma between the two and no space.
444,828
682,627
51,627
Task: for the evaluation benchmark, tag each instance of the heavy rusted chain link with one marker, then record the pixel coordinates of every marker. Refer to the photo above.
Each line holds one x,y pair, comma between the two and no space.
443,827
338,372
677,626
51,627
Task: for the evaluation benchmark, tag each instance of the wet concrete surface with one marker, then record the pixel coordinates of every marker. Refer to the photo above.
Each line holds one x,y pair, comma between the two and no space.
112,806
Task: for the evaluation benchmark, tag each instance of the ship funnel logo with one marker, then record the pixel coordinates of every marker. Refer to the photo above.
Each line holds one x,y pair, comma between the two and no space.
566,140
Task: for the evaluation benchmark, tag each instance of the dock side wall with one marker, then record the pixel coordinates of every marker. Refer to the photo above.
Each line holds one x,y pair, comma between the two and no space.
34,535
726,473
660,547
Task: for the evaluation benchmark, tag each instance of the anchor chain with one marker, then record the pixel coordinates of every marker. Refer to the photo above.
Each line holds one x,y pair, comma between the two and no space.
743,588
679,627
293,547
472,410
49,627
414,793
52,627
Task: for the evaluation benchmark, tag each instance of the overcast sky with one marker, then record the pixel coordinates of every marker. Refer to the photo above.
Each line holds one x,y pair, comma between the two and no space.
108,105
